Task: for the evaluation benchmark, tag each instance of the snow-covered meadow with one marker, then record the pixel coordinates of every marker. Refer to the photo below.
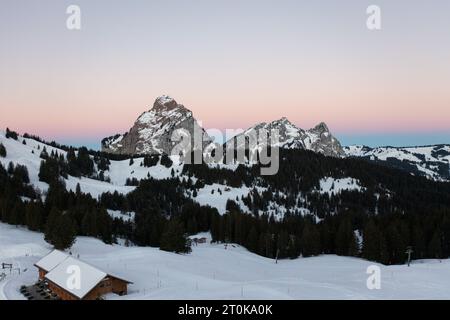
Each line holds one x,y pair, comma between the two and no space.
212,271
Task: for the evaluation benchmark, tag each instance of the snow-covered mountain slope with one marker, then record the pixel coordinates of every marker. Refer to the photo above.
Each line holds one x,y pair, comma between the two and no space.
213,271
28,155
432,162
318,139
214,195
152,131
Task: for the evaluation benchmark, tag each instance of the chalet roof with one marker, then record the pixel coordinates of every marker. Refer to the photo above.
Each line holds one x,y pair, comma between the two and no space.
89,276
60,267
51,260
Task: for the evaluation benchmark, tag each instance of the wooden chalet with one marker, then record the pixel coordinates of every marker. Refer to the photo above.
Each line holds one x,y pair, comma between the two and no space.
58,270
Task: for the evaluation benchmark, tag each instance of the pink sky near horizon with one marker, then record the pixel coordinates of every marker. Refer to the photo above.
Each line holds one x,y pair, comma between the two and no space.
235,67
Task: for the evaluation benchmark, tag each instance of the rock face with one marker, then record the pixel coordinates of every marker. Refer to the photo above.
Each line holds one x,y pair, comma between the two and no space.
152,131
318,139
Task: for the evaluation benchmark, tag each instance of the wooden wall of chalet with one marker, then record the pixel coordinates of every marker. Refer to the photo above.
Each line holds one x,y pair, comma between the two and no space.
107,285
63,294
42,273
119,286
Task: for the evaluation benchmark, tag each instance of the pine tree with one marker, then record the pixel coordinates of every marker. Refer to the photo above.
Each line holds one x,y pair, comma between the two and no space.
11,134
418,242
174,238
353,249
72,163
49,170
11,168
56,195
166,161
104,225
283,244
445,227
374,244
89,224
84,162
34,216
345,238
78,189
215,228
65,233
435,245
396,243
51,225
269,245
44,153
310,240
252,240
20,174
2,150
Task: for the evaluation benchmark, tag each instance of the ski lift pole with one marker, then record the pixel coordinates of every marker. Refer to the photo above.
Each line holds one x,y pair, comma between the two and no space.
408,252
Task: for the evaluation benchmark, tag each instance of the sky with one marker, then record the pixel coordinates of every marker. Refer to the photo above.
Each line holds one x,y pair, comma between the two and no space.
233,63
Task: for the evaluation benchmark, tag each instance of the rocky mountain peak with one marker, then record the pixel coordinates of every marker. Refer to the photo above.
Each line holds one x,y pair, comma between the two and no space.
165,102
152,131
321,127
318,139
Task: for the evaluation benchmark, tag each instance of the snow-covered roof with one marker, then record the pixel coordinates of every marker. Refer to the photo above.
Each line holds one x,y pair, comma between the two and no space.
62,275
51,260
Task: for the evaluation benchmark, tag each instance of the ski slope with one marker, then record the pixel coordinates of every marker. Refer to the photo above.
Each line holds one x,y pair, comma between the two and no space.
213,272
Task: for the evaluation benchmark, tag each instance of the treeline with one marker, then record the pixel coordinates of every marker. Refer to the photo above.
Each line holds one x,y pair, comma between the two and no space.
160,205
94,153
62,216
382,238
76,164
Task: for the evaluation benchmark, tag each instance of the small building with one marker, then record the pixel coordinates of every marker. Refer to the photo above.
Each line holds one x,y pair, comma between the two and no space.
199,240
73,279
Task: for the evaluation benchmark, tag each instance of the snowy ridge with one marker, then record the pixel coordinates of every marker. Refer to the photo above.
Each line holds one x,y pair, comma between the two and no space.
432,162
318,139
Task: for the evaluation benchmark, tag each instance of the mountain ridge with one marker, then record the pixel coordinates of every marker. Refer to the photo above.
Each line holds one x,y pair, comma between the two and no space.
152,131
